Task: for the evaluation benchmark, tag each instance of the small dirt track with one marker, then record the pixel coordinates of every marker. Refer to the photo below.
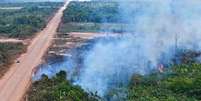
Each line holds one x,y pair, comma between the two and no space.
15,82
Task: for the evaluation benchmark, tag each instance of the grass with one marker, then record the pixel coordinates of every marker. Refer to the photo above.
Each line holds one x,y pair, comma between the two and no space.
21,23
93,16
94,27
8,53
58,89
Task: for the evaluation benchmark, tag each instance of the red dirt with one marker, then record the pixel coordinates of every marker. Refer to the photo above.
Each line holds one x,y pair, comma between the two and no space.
14,84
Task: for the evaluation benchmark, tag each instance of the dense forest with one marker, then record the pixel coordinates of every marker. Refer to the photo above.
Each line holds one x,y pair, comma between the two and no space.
93,16
92,12
24,22
178,82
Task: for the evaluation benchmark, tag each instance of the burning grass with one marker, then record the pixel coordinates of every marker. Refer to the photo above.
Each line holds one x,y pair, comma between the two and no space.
155,59
177,82
155,85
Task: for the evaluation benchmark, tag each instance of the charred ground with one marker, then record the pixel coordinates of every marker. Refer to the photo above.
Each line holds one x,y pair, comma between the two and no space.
179,81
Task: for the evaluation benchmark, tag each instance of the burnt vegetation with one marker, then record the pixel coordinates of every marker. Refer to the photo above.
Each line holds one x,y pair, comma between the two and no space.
179,82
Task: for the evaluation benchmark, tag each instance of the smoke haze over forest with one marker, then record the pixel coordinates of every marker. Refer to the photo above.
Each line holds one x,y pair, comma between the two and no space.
161,29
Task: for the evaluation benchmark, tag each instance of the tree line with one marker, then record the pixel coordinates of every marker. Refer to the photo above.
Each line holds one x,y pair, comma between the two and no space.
25,22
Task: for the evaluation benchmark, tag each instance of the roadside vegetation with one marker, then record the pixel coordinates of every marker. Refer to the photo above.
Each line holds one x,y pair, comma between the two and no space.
8,52
58,89
179,82
21,21
24,22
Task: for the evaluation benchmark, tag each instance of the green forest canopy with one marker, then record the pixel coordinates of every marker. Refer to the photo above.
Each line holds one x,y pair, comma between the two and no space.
26,21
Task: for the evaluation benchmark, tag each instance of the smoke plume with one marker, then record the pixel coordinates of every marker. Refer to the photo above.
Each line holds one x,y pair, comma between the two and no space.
160,28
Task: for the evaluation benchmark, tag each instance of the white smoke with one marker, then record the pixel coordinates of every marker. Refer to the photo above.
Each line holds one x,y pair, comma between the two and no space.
160,27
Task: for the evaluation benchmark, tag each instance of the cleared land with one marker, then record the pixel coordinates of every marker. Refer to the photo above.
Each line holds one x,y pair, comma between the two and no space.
8,53
15,82
93,17
71,34
46,88
18,24
179,83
